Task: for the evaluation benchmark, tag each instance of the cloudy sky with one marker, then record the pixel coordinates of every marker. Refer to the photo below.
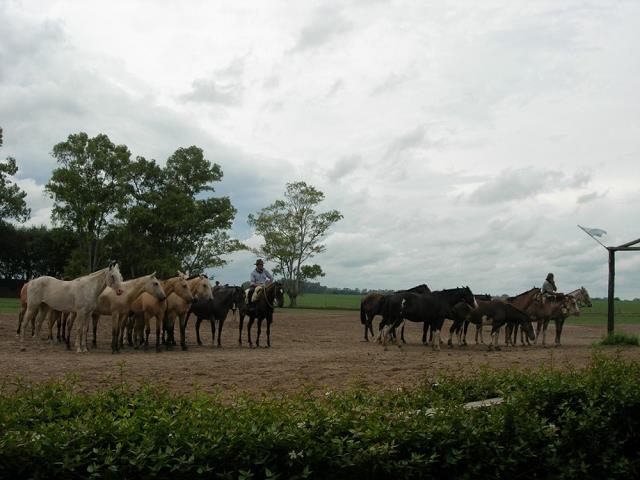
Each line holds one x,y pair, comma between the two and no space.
462,141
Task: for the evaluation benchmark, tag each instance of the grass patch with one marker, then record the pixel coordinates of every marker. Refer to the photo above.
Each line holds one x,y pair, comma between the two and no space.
620,338
9,305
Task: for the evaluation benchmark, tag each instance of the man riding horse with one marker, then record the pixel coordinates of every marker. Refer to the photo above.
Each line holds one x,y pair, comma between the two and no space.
259,278
549,288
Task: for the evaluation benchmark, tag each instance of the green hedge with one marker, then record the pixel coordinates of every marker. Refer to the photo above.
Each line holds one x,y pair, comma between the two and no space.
553,424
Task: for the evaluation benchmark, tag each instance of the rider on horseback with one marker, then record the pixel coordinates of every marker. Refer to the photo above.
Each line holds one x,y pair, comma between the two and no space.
549,288
260,277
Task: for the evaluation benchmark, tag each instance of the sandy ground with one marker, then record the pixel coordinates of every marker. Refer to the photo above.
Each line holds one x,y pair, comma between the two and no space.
323,349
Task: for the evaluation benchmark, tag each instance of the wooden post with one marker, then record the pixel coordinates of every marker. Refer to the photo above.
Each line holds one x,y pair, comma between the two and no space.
612,274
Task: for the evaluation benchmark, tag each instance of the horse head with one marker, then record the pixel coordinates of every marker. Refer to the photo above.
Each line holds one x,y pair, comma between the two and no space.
154,288
469,298
586,299
114,277
278,293
201,287
181,288
238,297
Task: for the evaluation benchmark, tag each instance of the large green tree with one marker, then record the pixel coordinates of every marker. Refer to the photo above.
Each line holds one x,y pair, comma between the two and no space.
12,204
28,252
90,183
173,221
292,230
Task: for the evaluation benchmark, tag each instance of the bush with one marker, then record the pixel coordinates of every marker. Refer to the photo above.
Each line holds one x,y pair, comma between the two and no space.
619,338
576,424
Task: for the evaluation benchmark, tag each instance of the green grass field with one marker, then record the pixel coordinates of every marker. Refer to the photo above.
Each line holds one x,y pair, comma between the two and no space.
627,312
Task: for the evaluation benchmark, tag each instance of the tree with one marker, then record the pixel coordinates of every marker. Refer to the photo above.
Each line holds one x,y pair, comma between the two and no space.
28,252
292,232
12,204
91,182
168,225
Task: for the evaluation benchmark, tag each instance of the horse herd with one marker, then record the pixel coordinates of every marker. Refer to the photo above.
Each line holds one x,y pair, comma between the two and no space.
462,307
134,304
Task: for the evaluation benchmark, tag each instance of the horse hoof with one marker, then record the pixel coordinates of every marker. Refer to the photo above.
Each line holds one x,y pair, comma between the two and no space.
184,348
23,349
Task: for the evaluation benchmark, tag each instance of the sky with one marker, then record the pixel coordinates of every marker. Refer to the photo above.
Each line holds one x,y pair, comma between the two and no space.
462,141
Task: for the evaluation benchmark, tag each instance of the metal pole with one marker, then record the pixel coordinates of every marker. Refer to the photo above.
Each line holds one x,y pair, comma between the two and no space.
612,274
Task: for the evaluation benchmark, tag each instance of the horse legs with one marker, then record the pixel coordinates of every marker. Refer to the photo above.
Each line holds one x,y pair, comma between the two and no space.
559,325
81,345
198,322
95,317
222,324
115,328
183,329
241,321
249,325
259,330
269,320
213,331
70,321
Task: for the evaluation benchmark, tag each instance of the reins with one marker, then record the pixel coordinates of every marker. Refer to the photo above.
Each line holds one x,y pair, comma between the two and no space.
266,299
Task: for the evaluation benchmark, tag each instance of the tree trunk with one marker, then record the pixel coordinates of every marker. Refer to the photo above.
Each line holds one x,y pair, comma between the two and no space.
293,299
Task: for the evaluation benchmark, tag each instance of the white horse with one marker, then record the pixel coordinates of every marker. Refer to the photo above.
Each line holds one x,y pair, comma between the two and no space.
582,297
79,296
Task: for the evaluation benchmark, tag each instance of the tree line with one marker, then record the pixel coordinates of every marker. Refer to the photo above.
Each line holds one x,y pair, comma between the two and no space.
108,204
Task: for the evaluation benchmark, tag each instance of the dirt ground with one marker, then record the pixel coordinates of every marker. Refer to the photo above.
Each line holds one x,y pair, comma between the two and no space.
323,349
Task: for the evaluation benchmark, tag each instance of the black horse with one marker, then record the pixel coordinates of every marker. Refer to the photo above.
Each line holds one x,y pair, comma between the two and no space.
271,296
216,310
430,308
374,303
499,313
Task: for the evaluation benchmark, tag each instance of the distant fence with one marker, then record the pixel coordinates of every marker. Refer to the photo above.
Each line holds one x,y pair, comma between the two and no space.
10,288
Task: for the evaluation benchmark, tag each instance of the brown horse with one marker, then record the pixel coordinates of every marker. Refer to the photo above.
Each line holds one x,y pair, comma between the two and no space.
146,307
177,307
118,306
521,301
556,308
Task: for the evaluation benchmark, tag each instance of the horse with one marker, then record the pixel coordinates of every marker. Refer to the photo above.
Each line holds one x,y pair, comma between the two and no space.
146,307
374,304
497,313
55,317
216,309
177,307
272,295
582,297
370,306
430,308
23,308
118,306
79,296
521,301
557,308
460,323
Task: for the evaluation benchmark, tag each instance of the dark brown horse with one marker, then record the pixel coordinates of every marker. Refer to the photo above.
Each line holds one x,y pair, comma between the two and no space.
370,306
271,296
216,310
